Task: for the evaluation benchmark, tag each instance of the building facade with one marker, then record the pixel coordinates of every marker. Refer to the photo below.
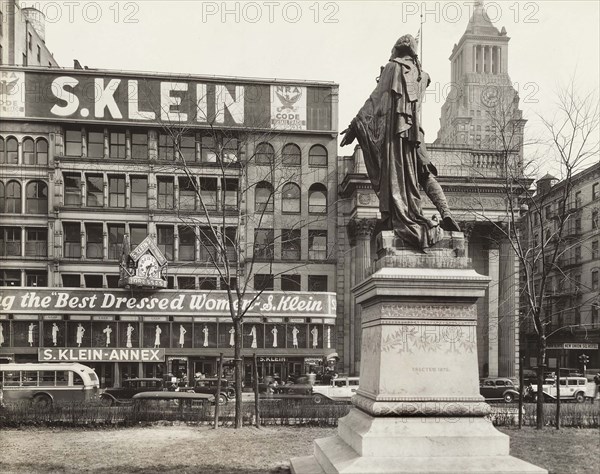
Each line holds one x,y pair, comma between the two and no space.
471,164
573,285
91,159
23,36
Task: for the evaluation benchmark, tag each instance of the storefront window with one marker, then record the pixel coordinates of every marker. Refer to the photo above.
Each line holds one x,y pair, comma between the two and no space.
104,334
275,336
79,334
296,336
54,333
25,333
205,335
226,335
156,335
182,335
253,336
129,334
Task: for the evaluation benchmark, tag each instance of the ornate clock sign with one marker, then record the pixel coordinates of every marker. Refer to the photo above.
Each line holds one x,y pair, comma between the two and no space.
143,267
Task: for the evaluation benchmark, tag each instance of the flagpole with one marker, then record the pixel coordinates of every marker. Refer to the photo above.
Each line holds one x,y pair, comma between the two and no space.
421,41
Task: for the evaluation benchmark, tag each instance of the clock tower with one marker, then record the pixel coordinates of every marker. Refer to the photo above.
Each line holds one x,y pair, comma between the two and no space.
483,105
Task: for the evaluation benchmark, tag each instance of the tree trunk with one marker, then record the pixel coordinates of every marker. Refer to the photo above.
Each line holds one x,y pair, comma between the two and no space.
256,396
237,325
219,375
521,391
541,358
558,394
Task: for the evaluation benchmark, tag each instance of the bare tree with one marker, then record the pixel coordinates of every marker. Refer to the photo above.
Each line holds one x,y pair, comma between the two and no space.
538,224
235,223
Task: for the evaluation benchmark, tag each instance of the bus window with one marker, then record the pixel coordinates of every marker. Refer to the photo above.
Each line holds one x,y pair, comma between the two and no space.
62,377
30,378
77,380
47,378
12,379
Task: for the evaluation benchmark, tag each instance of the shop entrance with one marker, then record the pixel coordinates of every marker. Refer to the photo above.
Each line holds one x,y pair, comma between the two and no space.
204,367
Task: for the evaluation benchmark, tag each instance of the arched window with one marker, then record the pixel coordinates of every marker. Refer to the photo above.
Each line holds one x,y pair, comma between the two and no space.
265,154
12,154
37,198
290,198
317,199
291,155
1,197
13,197
41,152
263,197
2,151
28,151
317,156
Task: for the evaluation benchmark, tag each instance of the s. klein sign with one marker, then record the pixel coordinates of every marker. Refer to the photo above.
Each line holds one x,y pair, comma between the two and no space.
146,99
170,302
101,355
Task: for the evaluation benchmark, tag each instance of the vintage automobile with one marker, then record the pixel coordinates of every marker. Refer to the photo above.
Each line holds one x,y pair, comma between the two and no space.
131,387
175,398
339,389
495,388
571,388
209,386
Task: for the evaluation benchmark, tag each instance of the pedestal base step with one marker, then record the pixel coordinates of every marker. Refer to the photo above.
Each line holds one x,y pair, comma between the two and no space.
335,456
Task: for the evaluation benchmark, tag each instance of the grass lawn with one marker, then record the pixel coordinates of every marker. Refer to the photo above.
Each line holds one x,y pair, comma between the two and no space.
187,449
568,450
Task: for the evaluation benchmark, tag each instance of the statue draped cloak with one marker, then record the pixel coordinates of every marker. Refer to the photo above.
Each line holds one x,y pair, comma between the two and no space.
392,141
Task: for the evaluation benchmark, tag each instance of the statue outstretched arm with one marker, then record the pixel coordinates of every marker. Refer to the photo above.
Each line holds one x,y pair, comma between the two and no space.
349,136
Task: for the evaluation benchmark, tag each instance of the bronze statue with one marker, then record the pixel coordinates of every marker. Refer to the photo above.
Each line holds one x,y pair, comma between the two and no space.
389,132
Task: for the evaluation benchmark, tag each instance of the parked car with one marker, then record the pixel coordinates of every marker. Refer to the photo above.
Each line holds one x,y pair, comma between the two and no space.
571,388
340,388
209,386
131,387
495,388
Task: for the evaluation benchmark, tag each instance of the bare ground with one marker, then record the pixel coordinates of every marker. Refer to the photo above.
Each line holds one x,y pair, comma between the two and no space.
177,448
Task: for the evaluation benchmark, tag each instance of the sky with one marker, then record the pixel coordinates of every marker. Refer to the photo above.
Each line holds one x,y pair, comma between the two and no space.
552,42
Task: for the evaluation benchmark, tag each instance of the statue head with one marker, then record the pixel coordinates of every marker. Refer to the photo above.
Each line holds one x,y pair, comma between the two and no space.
406,45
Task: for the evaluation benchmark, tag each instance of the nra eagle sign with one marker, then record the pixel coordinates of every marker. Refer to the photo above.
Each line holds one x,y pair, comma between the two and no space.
288,108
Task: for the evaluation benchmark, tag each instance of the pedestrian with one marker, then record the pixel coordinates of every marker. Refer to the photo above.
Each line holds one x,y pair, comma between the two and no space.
597,387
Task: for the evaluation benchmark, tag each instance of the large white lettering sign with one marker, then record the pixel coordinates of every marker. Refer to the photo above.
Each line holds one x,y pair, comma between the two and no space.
75,301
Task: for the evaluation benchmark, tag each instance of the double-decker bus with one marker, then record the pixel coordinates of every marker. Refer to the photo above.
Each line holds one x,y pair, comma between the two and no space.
46,383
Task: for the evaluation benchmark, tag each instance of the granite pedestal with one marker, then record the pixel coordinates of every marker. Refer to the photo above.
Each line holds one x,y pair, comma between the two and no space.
418,407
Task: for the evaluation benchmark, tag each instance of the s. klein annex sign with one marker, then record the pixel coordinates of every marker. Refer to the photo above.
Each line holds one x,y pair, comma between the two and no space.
101,355
170,302
146,99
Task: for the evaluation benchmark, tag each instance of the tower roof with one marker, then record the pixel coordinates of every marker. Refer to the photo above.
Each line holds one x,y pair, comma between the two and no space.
480,23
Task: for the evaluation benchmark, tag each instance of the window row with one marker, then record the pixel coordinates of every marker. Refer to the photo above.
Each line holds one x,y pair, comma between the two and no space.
290,240
264,198
190,148
291,155
125,144
34,152
19,242
12,198
162,334
177,243
131,191
23,278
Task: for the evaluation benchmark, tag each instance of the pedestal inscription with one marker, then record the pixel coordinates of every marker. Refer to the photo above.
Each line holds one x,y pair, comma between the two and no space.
418,407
